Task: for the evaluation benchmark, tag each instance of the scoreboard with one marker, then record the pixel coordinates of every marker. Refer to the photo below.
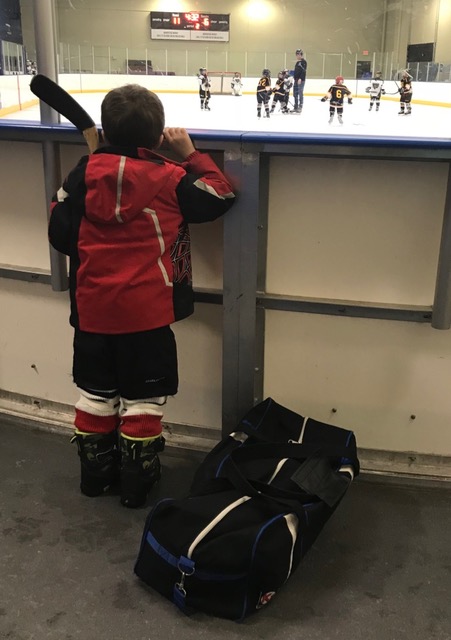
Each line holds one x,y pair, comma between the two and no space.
209,27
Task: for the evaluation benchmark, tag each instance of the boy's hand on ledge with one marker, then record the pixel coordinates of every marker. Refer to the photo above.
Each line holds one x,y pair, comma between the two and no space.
179,141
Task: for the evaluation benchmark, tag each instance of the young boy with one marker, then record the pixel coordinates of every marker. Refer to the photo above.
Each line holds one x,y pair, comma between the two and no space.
236,85
204,89
122,217
264,93
405,90
376,90
281,91
336,95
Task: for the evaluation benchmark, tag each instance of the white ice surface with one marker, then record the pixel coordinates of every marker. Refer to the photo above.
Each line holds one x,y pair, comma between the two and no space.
233,113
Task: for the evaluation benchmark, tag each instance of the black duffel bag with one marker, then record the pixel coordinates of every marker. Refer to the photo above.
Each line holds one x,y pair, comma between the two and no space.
256,505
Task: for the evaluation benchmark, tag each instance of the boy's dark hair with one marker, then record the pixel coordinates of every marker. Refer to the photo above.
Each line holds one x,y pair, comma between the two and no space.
132,116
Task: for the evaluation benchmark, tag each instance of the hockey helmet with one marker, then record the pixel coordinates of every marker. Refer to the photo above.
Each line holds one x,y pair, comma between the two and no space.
339,80
299,52
202,70
266,73
378,74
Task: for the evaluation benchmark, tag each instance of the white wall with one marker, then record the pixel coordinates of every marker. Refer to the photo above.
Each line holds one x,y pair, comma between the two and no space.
359,231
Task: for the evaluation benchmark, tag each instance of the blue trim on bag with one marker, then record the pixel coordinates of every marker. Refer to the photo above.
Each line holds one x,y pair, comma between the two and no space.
143,537
259,534
219,469
262,418
248,423
174,562
345,460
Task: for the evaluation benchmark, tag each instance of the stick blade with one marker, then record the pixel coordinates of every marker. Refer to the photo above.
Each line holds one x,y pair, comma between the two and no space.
57,98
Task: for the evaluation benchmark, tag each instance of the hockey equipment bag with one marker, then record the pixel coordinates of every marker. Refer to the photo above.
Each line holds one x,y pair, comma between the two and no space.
257,503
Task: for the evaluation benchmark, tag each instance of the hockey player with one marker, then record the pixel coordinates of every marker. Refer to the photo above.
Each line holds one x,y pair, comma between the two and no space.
204,89
406,94
281,91
236,85
376,90
264,93
336,95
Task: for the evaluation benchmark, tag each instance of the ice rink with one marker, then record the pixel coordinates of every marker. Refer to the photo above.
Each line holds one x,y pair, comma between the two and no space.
239,113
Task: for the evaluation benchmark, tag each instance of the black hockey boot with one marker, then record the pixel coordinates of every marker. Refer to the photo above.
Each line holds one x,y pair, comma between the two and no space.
99,458
140,468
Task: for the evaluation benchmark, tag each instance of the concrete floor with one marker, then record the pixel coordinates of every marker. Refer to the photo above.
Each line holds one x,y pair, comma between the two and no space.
380,570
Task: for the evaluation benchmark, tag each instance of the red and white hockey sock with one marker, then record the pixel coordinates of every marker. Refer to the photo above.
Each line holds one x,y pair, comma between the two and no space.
141,419
95,413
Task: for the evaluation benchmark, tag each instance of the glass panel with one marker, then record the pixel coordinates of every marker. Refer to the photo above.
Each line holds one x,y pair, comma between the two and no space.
159,60
275,62
117,59
101,60
216,60
256,62
86,59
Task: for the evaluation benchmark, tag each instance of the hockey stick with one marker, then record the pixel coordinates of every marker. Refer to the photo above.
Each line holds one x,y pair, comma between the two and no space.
396,92
57,98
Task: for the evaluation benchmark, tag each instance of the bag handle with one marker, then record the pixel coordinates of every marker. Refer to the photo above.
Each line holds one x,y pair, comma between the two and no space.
272,496
295,451
315,476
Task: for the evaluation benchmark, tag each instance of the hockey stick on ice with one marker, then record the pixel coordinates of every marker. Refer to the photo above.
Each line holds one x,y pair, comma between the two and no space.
57,98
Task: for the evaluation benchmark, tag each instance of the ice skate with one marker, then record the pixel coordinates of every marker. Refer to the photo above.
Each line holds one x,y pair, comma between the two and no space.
340,119
401,113
99,461
140,468
331,119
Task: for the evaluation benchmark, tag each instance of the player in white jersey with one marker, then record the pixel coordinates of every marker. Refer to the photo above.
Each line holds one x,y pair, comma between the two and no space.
376,90
204,89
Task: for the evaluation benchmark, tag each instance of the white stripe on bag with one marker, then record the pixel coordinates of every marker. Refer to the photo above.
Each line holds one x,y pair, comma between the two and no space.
282,462
293,525
214,522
